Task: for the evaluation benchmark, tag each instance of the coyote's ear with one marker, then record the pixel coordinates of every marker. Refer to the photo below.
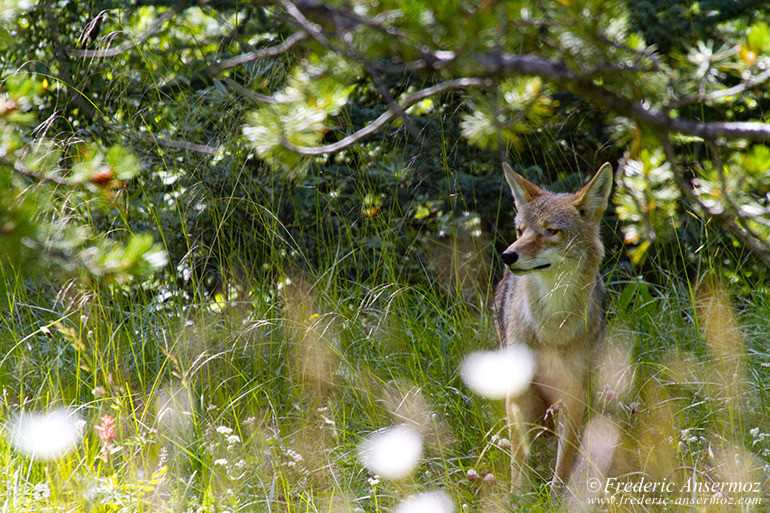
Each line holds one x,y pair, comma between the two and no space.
592,199
523,190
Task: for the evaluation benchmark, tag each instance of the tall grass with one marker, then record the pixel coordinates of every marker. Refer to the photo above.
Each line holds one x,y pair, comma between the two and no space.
257,396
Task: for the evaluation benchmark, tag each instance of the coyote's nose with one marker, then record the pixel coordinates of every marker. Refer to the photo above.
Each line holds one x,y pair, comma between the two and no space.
509,257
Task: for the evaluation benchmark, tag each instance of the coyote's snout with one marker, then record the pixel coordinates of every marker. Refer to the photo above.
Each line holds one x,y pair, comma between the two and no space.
551,299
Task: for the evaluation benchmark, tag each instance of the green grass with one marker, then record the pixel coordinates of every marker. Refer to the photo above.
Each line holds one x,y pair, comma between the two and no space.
257,398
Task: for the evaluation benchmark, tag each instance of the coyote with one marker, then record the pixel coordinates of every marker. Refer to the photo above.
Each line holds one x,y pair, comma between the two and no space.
551,299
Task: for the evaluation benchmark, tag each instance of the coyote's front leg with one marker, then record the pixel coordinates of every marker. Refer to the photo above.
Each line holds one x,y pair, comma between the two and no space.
522,412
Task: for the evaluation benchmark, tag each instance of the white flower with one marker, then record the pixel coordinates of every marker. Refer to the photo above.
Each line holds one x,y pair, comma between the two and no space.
41,491
499,374
220,462
233,439
45,436
392,453
427,502
224,430
294,455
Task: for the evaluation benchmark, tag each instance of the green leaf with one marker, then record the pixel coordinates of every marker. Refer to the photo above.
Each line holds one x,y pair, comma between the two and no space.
758,39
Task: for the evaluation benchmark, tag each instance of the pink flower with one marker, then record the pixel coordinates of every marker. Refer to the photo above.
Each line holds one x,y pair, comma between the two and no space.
106,430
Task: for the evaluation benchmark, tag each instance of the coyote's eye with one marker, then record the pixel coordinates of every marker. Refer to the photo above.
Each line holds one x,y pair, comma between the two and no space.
519,231
552,231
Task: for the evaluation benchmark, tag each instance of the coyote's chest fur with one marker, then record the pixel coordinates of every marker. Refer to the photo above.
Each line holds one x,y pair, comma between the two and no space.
554,307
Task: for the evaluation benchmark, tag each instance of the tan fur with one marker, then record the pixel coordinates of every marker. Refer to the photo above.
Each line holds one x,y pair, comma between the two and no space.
551,299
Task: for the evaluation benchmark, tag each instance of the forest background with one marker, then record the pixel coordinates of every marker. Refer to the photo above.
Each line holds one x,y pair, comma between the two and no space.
238,238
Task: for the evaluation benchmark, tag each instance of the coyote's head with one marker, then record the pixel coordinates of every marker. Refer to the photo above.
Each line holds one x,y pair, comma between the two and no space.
556,230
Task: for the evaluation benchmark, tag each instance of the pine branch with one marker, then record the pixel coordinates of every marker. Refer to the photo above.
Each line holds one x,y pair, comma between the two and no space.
374,126
557,72
34,175
722,217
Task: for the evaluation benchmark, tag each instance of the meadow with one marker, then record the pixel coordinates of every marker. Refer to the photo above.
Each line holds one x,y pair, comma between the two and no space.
247,249
265,395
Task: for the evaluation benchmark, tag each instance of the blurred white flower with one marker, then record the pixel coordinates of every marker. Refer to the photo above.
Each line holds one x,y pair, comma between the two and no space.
41,491
427,502
391,453
45,436
499,374
224,430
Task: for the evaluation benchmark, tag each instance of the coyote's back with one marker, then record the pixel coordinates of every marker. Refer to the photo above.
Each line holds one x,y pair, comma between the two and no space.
551,299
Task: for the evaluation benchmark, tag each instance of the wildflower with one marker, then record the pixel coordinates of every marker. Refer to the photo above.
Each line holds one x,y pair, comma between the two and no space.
374,481
233,439
41,491
472,475
106,429
45,436
224,430
435,502
294,455
392,453
499,374
221,462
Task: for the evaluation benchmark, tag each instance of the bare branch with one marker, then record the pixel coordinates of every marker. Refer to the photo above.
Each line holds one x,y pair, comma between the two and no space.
257,97
311,28
558,73
345,21
169,143
264,53
374,126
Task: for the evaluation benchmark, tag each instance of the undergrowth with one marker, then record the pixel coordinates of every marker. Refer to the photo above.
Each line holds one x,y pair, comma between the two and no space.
254,393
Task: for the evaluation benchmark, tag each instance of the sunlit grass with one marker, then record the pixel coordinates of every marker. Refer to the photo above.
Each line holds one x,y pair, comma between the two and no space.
272,390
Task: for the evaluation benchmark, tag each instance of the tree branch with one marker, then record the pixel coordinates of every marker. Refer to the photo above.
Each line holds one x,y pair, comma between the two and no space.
23,170
251,95
264,53
168,143
155,27
374,126
724,93
558,73
721,217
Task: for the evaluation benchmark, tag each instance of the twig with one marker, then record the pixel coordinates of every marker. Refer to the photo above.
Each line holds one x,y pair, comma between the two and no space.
169,143
264,53
155,27
384,91
257,97
40,177
374,126
721,217
723,93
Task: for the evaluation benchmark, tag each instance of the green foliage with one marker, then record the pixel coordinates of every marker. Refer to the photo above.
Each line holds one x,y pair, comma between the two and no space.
672,24
646,201
525,106
314,91
311,300
41,210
